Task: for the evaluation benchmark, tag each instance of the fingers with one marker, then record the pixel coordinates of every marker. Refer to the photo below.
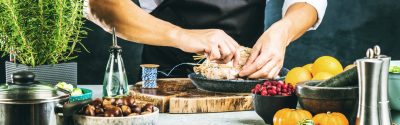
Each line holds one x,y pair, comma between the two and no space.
233,47
260,61
215,53
263,71
254,54
273,73
236,58
227,47
226,52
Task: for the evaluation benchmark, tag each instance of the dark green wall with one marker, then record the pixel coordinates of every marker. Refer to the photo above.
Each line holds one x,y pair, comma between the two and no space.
348,29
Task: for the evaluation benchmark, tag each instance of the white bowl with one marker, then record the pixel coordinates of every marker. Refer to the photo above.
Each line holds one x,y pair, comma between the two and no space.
147,119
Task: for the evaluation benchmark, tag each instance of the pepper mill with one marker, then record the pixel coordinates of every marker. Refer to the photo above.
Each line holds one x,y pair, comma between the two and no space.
368,74
384,108
373,106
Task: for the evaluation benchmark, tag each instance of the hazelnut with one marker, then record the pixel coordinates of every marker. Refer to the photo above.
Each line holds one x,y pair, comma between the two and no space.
148,107
126,110
135,109
99,111
115,110
119,102
90,110
107,107
130,101
109,113
96,102
109,101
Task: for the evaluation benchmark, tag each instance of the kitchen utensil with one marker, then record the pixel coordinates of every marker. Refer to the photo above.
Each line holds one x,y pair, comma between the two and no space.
323,99
147,119
346,78
27,102
384,109
149,75
368,74
233,86
374,100
115,82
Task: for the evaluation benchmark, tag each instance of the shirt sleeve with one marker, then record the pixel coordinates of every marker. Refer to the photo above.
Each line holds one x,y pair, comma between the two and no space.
149,5
319,5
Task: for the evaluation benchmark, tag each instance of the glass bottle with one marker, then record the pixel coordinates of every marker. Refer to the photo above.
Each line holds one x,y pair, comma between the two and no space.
115,82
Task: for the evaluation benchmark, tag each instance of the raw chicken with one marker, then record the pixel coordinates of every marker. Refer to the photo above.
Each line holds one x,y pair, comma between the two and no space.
213,70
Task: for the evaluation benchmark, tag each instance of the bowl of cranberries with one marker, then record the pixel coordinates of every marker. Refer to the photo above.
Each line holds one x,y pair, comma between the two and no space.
271,96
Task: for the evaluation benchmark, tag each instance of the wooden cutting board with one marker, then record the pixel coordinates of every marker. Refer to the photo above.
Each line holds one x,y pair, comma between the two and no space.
179,95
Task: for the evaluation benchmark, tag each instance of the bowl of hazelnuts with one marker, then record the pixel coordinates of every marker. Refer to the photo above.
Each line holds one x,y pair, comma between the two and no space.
117,111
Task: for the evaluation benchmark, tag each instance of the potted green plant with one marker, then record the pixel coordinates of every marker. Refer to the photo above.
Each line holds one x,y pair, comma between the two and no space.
41,36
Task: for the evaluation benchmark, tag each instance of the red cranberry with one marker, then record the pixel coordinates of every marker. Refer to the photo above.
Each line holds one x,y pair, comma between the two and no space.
285,86
256,91
263,88
258,86
284,90
278,89
272,92
279,86
267,83
264,93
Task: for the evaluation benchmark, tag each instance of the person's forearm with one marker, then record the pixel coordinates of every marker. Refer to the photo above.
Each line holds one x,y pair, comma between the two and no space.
298,19
132,23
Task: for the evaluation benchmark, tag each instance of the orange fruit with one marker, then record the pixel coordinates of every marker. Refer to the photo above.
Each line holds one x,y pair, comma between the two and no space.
308,67
322,76
349,67
296,75
326,64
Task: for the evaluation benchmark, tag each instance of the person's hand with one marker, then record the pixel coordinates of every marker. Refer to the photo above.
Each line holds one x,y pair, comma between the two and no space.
268,53
213,42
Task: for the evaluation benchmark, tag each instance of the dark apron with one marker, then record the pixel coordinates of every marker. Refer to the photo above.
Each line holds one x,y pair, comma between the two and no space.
243,20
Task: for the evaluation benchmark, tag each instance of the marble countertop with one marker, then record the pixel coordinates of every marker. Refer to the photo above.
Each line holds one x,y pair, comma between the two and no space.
224,118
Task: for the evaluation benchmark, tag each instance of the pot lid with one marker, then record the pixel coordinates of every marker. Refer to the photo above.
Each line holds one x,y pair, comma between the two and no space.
25,90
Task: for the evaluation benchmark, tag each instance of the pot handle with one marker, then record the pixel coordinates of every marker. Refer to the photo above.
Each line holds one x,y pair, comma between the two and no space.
23,78
59,108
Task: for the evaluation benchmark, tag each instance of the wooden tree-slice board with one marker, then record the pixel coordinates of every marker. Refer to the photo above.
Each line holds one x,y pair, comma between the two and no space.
179,95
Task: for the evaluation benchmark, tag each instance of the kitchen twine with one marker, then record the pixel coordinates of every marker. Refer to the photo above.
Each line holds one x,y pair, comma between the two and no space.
149,75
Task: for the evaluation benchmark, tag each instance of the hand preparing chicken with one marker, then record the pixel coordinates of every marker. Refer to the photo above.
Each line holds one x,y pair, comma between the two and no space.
214,70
